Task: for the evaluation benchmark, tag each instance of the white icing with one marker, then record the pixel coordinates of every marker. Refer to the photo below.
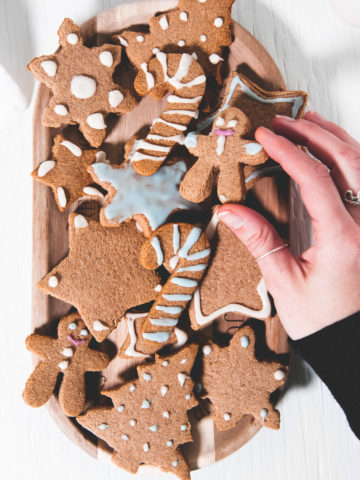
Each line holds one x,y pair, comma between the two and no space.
182,379
49,67
61,110
139,227
74,149
45,167
100,156
263,413
169,310
220,145
163,22
92,191
138,157
183,361
165,363
188,396
220,122
166,414
72,38
173,261
155,243
183,428
140,38
207,349
164,389
232,124
81,222
188,113
177,126
115,98
61,196
96,121
155,50
72,326
154,428
244,341
123,41
147,377
106,58
183,16
222,198
67,352
218,22
158,288
184,282
215,58
158,337
132,388
177,99
120,408
253,148
181,337
176,297
176,238
183,70
144,145
103,426
63,365
181,43
145,404
130,323
125,437
146,447
202,1
84,332
149,76
155,197
279,375
199,255
193,268
203,38
173,138
227,417
190,241
132,422
164,322
99,326
169,443
82,86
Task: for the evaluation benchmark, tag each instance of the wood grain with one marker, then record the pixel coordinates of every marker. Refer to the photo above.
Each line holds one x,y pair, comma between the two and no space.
50,242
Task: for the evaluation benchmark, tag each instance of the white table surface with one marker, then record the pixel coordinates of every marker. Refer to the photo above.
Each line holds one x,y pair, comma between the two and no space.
315,52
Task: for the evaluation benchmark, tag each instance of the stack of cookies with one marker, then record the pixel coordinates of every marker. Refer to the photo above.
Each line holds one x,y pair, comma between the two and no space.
155,260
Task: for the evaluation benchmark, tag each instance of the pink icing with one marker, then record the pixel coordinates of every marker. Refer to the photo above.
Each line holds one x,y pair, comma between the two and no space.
75,342
225,133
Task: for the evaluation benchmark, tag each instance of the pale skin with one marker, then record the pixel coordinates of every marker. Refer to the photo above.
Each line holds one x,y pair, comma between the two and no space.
322,285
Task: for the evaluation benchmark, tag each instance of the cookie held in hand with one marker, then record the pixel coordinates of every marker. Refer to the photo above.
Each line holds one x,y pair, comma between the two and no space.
237,383
148,420
70,354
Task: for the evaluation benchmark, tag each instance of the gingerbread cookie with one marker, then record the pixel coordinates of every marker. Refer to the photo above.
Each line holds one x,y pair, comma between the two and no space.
255,382
81,81
199,26
69,354
148,420
184,79
101,276
66,172
184,251
135,346
232,282
221,159
150,200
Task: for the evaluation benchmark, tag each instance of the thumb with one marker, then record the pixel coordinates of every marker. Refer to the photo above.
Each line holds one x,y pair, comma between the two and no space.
260,237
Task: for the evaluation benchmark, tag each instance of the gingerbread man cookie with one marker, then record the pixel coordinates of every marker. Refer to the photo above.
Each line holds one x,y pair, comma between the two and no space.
66,172
81,81
255,382
222,156
69,354
148,420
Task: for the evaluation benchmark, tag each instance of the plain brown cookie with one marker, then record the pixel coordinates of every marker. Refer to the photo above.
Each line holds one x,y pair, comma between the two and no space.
101,276
148,420
237,383
69,354
81,81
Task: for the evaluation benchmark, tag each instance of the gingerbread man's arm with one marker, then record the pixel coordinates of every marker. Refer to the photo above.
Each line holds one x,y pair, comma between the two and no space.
197,144
252,153
40,345
95,361
41,384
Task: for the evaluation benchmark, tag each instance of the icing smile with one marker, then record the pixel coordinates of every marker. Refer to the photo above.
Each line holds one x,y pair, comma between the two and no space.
225,133
74,341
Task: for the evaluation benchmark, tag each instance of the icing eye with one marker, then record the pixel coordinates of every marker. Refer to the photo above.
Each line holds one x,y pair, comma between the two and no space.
84,332
220,122
72,326
232,123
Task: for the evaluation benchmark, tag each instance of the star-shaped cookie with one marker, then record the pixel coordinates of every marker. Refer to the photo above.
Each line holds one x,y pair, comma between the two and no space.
237,383
66,172
101,276
81,81
150,200
148,420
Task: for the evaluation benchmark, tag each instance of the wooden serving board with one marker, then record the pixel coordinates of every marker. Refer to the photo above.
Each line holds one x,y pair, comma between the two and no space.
50,235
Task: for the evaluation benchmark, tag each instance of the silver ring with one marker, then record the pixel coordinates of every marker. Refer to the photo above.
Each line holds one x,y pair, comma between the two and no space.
351,198
269,253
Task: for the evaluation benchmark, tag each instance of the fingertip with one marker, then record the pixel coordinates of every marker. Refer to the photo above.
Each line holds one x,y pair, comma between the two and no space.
263,133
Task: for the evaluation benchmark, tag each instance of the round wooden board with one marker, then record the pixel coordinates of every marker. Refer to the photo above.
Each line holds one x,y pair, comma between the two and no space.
50,239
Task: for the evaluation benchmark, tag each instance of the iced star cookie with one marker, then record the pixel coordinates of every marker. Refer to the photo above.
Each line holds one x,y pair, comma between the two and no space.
195,26
222,156
101,276
68,354
81,81
232,282
148,420
149,200
66,172
249,392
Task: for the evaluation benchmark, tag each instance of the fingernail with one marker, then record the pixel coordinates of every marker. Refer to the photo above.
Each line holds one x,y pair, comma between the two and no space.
284,117
231,220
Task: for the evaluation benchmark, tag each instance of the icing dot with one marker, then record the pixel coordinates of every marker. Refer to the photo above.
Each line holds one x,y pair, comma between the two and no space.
202,1
140,38
106,58
169,443
147,377
45,167
183,16
175,463
158,289
67,352
84,332
165,363
72,326
146,447
123,41
279,375
218,22
155,50
227,417
181,43
92,191
82,86
132,422
63,365
103,426
263,413
222,198
164,390
61,110
232,123
80,222
244,341
96,121
115,98
163,22
72,38
215,58
181,378
145,404
53,282
61,197
49,67
183,361
203,38
124,436
99,327
166,414
207,349
132,388
183,428
188,396
120,408
154,428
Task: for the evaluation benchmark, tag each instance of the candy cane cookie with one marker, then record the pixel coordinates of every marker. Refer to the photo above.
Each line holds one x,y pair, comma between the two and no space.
184,251
182,77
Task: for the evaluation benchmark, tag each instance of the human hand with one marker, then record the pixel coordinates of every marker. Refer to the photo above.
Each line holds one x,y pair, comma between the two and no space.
322,285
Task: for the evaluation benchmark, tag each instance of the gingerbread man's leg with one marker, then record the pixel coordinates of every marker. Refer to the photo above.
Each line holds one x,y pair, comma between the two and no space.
41,384
72,391
231,182
198,182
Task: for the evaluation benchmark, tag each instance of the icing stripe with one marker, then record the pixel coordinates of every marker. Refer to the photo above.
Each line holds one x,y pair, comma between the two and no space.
158,337
184,282
188,113
149,77
169,310
193,268
174,138
176,126
143,145
164,322
177,297
176,238
137,157
191,239
157,247
199,255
